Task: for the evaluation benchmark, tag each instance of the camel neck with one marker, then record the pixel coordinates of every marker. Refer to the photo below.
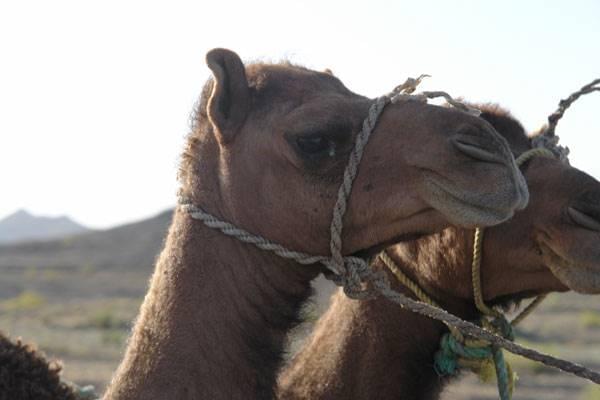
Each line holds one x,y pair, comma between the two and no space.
367,349
213,324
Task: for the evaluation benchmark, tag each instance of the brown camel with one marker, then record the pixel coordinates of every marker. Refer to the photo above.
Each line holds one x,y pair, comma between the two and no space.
375,349
266,153
26,374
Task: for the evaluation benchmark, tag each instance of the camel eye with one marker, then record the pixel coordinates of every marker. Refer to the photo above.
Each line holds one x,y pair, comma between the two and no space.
315,145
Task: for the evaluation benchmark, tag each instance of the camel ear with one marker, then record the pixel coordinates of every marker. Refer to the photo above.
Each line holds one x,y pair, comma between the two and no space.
229,101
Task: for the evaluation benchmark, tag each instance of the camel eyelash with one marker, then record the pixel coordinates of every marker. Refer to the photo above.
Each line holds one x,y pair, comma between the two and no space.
328,142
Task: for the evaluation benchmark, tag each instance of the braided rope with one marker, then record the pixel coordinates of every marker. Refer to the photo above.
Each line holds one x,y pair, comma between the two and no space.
551,143
415,288
247,237
564,104
506,381
476,275
547,138
528,310
349,175
536,152
405,280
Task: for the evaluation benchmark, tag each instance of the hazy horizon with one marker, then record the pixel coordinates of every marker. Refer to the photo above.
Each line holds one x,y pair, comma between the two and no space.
96,97
70,218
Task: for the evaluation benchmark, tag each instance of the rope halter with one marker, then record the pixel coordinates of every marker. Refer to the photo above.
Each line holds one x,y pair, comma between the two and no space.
349,272
457,352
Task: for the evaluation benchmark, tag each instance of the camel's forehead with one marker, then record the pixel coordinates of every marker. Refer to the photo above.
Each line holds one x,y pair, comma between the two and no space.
291,81
507,126
589,187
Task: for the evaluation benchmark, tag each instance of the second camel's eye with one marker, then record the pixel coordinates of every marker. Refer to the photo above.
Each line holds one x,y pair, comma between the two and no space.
315,145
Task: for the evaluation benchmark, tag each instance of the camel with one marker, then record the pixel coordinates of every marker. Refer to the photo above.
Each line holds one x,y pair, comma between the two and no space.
375,349
266,153
26,374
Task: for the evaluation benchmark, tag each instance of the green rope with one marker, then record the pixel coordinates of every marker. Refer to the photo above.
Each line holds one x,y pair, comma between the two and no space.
505,380
480,357
446,359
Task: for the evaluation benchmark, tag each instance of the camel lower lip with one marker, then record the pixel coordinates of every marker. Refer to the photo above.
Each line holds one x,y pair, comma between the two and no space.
485,214
566,272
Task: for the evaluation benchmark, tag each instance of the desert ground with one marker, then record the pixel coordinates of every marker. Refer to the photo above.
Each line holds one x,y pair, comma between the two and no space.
77,299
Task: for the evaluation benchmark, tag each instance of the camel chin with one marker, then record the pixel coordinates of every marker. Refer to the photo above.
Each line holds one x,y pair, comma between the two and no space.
467,209
577,277
580,280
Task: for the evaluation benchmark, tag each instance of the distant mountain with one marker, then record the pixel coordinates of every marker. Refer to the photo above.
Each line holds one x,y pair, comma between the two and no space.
131,246
22,226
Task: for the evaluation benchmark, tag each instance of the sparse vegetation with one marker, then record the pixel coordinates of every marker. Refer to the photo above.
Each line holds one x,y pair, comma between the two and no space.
591,392
522,365
26,301
51,275
30,272
106,319
114,337
590,319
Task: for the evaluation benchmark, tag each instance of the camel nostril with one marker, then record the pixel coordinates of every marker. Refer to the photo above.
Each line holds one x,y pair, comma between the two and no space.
585,219
477,149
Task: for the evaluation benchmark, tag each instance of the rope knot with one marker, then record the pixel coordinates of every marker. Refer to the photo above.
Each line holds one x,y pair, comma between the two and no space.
408,87
503,326
551,143
354,275
453,354
479,356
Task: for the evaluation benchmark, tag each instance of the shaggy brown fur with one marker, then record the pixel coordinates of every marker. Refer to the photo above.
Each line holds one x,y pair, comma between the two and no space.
375,349
26,374
267,152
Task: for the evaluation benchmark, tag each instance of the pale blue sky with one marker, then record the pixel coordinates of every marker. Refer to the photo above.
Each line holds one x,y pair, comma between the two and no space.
95,96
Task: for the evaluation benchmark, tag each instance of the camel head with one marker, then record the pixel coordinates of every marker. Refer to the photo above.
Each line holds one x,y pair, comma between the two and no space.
271,142
554,244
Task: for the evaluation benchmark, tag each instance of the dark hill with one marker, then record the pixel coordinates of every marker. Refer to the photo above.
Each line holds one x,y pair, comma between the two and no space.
128,246
22,226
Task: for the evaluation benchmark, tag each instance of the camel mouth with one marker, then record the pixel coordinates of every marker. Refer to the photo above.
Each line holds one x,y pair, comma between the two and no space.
459,209
581,279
